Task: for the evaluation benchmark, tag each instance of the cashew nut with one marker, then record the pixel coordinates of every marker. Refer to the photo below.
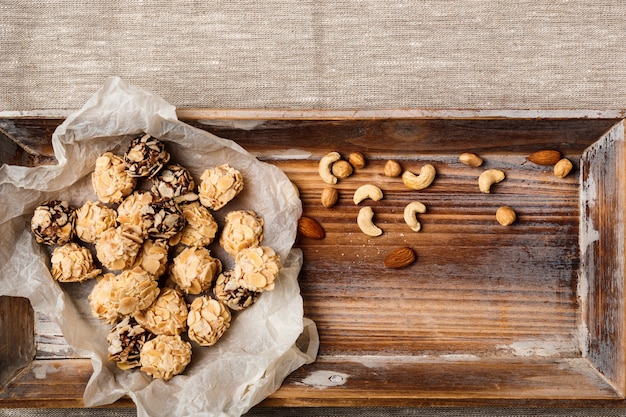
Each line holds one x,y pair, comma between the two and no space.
421,181
367,226
410,217
366,191
488,178
324,168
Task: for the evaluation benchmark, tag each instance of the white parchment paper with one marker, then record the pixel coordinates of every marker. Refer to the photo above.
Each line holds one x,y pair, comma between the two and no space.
265,342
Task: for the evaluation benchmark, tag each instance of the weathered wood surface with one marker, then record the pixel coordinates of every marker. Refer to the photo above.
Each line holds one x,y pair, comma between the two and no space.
603,204
369,381
487,314
17,337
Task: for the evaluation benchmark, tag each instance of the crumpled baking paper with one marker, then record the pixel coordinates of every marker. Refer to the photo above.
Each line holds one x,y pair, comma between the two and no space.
265,342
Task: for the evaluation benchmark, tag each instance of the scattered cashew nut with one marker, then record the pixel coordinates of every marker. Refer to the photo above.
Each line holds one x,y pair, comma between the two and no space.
325,165
421,181
410,217
488,178
366,224
366,191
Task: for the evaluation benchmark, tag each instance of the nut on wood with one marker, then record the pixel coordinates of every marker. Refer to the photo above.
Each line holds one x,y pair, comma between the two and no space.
563,168
329,197
471,159
418,182
357,160
392,168
400,257
410,215
365,220
341,169
488,178
324,168
506,216
545,157
367,191
310,228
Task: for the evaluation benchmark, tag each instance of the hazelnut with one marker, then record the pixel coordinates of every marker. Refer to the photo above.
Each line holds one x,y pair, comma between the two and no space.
392,168
505,216
341,169
329,197
563,168
471,159
357,160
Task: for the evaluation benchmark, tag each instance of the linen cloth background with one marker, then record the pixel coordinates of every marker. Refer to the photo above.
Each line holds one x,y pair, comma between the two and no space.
345,54
319,54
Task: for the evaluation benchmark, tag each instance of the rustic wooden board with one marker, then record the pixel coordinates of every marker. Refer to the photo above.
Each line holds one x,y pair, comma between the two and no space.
486,315
17,337
603,203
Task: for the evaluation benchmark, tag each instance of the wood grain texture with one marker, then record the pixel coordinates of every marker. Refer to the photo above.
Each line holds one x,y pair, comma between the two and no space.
17,337
476,286
603,202
27,141
368,381
486,315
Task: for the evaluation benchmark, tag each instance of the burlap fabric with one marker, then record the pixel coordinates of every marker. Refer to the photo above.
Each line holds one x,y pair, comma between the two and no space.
319,54
346,54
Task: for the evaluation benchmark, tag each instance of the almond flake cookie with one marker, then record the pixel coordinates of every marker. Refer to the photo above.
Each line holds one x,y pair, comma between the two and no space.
117,248
110,180
208,320
174,182
162,219
219,185
233,292
201,226
53,223
129,212
72,263
242,229
257,267
165,356
102,300
128,293
194,270
135,290
125,340
152,257
92,219
167,315
145,156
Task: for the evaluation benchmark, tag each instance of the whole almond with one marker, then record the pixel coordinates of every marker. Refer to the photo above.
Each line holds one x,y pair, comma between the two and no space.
545,157
400,257
310,228
329,197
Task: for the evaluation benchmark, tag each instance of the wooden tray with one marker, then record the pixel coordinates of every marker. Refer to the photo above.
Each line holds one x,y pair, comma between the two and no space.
527,314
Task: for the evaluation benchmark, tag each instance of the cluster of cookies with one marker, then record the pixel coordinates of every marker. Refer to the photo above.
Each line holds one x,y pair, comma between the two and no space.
157,282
